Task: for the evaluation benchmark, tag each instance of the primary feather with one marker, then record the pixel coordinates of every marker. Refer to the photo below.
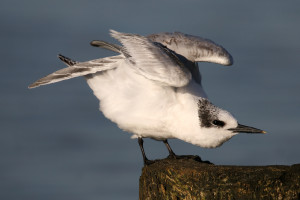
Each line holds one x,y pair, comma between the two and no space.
76,69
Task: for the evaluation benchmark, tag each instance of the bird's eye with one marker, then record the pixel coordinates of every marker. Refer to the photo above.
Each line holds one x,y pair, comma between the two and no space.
218,123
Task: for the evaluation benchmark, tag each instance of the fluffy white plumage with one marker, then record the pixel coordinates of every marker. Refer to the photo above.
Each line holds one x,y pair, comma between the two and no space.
153,88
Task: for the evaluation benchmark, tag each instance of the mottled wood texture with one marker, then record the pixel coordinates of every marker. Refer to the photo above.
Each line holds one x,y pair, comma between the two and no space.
190,179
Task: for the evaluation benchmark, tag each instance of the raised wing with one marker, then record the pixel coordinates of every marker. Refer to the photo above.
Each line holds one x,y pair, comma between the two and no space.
153,60
195,49
76,69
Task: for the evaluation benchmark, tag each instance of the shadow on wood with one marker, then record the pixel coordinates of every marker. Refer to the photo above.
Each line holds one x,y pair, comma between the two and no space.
190,179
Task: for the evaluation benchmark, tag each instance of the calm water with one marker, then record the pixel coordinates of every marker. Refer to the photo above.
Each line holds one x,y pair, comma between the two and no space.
55,144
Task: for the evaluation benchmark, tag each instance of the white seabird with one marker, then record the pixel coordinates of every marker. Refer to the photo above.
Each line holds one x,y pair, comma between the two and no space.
153,88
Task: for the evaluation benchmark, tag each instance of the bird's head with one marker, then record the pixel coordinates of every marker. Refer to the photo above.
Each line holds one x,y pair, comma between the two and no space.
217,126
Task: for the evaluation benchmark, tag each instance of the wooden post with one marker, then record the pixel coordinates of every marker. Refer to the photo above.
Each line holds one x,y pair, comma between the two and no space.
189,179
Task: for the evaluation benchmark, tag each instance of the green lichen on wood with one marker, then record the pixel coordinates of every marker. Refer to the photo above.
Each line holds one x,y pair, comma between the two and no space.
188,179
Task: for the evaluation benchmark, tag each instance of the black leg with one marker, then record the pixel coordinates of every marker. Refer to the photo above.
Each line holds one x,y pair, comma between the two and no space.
171,152
174,156
146,161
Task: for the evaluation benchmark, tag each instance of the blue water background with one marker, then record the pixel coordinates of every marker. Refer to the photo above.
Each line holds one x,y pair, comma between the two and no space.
55,144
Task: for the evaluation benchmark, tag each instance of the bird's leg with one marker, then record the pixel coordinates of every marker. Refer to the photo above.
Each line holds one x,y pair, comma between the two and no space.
146,161
174,156
171,152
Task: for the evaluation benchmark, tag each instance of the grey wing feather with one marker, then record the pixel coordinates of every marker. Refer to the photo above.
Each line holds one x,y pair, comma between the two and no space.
194,48
106,45
112,47
76,69
153,60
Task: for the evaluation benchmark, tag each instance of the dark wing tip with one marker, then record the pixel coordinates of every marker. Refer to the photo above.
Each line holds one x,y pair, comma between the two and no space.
96,43
66,60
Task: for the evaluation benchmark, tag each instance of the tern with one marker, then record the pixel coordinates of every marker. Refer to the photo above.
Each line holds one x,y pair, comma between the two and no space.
152,88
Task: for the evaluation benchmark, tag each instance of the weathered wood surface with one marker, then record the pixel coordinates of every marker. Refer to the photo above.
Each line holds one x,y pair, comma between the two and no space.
189,179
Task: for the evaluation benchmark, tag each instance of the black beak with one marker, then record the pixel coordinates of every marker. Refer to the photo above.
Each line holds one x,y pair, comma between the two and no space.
246,129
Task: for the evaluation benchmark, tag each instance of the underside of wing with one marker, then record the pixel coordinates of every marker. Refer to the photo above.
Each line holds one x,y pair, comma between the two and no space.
153,60
76,69
194,48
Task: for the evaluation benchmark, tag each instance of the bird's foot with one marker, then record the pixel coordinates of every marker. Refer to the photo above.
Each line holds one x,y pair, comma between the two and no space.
173,156
148,162
196,158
